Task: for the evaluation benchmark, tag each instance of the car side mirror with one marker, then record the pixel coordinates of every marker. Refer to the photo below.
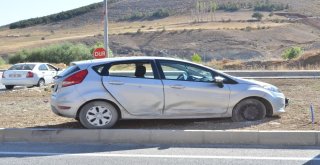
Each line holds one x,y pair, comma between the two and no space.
219,81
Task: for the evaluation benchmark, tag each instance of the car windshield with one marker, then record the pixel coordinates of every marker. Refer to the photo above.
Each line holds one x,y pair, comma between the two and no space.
22,67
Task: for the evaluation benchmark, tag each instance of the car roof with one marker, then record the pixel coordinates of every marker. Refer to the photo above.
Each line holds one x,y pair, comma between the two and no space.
87,63
32,63
116,59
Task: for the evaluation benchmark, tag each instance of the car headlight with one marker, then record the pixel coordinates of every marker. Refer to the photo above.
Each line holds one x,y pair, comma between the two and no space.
272,88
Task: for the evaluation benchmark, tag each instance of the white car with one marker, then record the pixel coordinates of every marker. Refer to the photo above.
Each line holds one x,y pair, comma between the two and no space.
29,74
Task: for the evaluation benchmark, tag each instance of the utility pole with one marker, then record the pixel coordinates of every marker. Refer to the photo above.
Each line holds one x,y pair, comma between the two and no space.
106,39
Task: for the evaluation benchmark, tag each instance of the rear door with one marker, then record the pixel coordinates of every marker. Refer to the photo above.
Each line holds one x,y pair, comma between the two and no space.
136,86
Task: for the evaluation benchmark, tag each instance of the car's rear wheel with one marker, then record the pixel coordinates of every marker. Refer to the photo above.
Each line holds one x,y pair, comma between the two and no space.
98,115
9,86
249,110
41,83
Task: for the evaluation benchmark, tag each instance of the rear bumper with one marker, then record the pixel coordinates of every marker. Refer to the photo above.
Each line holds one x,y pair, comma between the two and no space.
20,82
66,98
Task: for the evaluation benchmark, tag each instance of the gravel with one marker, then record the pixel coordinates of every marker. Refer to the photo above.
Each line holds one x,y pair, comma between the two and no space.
30,108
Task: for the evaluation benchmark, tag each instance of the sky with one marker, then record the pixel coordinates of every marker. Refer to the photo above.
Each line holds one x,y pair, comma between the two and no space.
16,10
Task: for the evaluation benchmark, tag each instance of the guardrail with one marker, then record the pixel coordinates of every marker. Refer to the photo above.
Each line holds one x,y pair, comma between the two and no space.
293,74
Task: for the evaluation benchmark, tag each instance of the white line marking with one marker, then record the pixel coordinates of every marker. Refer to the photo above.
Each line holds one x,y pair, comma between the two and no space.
160,156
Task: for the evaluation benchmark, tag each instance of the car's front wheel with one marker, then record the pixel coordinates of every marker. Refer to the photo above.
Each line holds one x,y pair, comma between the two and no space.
9,86
98,115
249,110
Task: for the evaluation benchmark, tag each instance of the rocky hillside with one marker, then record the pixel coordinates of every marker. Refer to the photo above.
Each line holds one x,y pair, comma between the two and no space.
230,35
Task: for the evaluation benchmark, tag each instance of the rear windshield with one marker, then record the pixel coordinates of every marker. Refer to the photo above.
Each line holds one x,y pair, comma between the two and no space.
69,70
22,67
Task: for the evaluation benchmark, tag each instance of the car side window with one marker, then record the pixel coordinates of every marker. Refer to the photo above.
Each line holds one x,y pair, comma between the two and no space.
133,69
185,72
43,67
51,68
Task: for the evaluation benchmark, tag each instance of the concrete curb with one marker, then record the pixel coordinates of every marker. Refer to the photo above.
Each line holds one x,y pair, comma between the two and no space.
141,136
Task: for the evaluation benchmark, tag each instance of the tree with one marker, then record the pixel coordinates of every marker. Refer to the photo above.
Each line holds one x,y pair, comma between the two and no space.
292,53
257,16
213,9
196,58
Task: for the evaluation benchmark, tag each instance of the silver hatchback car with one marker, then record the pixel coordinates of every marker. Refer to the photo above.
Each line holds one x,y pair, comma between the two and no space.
98,93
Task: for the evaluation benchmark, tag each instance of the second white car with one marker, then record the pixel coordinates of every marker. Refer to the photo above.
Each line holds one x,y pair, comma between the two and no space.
29,74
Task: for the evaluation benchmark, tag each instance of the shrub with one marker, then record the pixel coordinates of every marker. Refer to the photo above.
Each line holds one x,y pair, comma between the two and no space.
2,62
196,58
18,57
230,7
257,16
134,16
292,53
248,28
58,53
267,6
160,13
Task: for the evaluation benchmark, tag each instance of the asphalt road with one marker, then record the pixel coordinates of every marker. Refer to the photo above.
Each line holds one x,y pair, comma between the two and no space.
55,154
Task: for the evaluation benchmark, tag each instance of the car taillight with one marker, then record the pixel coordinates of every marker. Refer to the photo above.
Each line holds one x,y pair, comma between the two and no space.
29,75
75,78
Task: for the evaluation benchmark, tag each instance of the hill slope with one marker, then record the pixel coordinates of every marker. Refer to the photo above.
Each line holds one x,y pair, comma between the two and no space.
231,35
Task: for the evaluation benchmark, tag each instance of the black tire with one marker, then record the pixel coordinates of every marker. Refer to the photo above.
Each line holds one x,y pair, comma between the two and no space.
41,83
9,87
249,110
98,115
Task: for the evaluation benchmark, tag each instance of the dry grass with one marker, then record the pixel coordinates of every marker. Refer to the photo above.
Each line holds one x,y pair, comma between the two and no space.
18,39
310,60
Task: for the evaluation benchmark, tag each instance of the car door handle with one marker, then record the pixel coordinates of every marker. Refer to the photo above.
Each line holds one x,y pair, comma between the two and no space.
177,86
116,83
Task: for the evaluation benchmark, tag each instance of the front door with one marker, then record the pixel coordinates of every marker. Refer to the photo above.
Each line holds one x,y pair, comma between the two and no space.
45,73
190,91
136,87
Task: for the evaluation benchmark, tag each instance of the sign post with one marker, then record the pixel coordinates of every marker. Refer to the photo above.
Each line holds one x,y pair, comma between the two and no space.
100,53
106,39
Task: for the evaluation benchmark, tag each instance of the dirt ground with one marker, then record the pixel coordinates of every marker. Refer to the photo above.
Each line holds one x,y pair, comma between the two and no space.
30,108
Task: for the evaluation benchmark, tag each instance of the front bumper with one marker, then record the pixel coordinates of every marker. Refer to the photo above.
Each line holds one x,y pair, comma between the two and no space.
286,102
278,102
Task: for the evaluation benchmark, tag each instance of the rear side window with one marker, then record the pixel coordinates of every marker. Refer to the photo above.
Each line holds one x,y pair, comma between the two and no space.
69,70
43,67
134,70
22,67
100,69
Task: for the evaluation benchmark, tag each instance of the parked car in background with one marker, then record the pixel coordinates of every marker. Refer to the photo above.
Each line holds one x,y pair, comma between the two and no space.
29,74
100,92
